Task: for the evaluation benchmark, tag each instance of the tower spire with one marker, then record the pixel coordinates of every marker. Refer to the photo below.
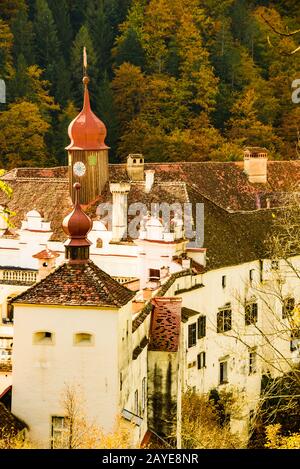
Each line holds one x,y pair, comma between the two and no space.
84,62
77,225
87,151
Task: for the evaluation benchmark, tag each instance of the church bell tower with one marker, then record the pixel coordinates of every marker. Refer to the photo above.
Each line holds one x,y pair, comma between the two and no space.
87,152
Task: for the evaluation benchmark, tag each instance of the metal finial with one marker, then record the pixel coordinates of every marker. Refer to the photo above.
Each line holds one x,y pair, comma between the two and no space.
77,187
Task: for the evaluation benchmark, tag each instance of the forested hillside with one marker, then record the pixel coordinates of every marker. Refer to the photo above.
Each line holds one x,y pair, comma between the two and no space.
175,80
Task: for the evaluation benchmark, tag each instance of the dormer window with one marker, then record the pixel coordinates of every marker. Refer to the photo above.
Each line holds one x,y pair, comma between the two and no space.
43,338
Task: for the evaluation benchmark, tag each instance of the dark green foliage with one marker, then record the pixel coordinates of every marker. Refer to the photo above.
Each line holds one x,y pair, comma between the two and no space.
46,43
180,100
22,30
130,50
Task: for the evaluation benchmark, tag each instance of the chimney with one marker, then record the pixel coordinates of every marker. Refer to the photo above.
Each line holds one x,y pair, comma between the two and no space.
47,262
119,192
149,174
135,167
255,164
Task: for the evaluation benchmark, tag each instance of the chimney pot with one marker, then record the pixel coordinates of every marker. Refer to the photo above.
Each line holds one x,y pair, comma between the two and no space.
149,174
135,166
255,164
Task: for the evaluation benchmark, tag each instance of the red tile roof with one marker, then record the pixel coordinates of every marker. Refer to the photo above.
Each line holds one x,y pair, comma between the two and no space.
165,324
235,230
46,254
77,285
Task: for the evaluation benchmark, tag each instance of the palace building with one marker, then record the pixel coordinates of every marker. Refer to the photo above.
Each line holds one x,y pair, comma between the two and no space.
135,321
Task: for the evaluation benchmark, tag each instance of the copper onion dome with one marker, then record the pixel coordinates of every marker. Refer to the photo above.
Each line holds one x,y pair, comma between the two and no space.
87,131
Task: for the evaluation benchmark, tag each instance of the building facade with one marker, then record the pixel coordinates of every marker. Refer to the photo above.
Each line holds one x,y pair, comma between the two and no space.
135,321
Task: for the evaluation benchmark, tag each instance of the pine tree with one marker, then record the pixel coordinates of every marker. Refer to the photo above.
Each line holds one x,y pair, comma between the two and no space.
47,45
60,135
6,44
61,16
130,50
23,37
19,85
107,112
244,127
101,33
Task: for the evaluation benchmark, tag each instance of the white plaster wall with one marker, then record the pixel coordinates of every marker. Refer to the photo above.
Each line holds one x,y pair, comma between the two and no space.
41,371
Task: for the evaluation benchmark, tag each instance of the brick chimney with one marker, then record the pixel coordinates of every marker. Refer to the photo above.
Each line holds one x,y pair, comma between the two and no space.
255,164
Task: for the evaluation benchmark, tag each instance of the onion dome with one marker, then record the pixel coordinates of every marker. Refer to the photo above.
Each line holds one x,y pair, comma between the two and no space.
87,131
77,225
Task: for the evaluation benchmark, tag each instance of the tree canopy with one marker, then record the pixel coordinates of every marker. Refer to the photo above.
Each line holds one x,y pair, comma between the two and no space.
193,80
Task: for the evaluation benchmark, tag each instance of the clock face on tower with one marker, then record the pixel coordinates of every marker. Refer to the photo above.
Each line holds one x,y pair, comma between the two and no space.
79,168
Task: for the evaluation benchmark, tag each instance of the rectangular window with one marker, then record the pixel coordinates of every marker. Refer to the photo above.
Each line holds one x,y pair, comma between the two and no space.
201,360
224,320
223,372
201,327
288,307
251,313
154,274
192,338
144,394
223,281
58,432
136,402
251,275
252,361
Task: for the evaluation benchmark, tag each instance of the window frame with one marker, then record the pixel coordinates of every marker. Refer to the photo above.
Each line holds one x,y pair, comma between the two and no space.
58,430
221,366
250,316
201,360
201,327
226,321
144,394
252,361
136,402
152,277
192,335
